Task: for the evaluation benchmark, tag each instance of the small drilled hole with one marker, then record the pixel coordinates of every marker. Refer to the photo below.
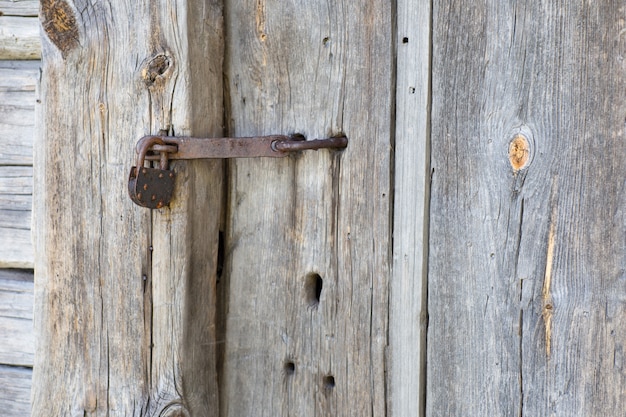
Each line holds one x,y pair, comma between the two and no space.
405,40
329,382
313,288
290,368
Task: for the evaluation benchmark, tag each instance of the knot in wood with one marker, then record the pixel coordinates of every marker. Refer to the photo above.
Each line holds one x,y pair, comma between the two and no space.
156,68
175,410
519,152
59,24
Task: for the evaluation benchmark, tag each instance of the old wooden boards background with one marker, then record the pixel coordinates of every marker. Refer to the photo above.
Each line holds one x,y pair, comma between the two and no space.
488,137
19,71
527,260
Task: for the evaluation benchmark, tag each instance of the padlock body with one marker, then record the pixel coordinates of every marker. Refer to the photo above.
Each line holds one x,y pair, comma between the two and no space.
151,187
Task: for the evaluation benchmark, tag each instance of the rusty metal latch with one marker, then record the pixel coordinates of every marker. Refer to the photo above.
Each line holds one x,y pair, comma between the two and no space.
153,187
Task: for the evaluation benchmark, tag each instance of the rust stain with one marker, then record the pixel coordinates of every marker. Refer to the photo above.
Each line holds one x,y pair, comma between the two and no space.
59,24
519,152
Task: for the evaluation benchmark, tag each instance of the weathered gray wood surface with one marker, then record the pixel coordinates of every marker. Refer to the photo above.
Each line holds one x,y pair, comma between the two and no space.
17,120
16,249
15,391
407,303
16,318
17,111
19,29
29,8
527,284
16,341
124,297
293,346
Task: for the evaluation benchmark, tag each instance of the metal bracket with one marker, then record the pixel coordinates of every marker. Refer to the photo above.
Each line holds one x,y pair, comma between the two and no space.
153,187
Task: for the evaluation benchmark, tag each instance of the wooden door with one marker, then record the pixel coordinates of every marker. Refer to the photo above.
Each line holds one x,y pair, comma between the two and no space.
463,256
126,298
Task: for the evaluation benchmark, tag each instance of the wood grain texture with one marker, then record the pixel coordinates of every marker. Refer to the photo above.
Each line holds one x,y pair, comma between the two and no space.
16,184
19,7
17,340
407,303
15,392
17,120
16,294
17,111
19,37
308,237
526,267
124,296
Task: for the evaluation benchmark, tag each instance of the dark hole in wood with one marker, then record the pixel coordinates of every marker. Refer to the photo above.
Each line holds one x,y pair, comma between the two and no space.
405,40
329,382
290,368
220,256
313,287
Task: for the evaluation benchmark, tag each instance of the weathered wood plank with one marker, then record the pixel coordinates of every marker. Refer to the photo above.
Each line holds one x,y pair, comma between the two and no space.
124,296
308,237
15,392
16,294
17,111
19,8
16,249
527,240
19,37
408,318
17,180
17,341
16,318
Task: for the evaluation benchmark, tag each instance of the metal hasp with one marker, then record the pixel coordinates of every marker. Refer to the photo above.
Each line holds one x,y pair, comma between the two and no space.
153,187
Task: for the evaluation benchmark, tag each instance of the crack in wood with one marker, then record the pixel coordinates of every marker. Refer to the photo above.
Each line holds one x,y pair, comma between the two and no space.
546,294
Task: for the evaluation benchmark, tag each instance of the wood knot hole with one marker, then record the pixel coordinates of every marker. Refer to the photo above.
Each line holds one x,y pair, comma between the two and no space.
59,24
290,368
519,152
156,68
313,289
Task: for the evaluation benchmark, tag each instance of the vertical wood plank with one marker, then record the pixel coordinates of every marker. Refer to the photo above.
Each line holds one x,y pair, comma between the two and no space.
308,237
123,295
527,239
408,318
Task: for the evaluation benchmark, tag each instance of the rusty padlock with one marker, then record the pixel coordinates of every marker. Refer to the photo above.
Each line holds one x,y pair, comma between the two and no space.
151,187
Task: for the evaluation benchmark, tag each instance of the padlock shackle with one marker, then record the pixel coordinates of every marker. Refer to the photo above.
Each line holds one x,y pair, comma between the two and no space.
144,145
